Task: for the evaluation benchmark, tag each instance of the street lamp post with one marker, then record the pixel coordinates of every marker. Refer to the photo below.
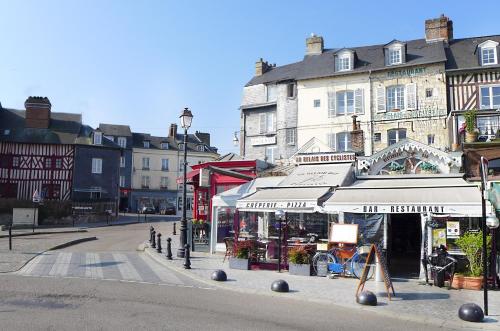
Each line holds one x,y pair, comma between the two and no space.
493,223
280,216
186,119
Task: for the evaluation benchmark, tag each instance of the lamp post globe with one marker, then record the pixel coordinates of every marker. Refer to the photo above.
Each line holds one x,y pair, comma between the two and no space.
279,214
492,221
186,119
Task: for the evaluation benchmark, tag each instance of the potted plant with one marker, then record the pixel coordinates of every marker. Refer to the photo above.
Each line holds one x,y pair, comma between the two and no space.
471,243
299,261
396,168
471,132
241,258
428,168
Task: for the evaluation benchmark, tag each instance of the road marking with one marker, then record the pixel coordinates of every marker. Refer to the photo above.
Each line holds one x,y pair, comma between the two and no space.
126,268
61,266
93,268
161,272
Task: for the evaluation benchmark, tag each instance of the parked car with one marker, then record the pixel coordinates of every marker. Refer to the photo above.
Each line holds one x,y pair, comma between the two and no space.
168,209
147,210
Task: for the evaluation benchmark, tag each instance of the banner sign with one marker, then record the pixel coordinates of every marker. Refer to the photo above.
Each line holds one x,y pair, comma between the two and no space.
325,158
274,205
256,141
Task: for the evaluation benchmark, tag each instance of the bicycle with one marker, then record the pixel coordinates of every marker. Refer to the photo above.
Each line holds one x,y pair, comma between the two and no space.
350,262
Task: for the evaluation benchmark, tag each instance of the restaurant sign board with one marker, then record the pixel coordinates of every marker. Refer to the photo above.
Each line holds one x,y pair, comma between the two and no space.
274,205
317,158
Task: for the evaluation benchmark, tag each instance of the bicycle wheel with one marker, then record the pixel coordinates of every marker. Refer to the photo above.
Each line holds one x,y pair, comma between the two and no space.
322,257
358,263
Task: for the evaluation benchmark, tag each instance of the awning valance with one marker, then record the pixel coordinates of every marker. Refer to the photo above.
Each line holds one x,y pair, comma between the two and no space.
399,196
291,199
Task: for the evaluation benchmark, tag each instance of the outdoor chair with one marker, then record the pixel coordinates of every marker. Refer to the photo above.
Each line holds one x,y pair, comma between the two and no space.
229,242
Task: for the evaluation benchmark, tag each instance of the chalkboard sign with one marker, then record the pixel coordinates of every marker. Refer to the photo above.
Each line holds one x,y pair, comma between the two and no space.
370,263
322,269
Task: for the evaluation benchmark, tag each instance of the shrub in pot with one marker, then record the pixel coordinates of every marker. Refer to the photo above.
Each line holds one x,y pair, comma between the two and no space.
471,132
471,243
241,258
299,261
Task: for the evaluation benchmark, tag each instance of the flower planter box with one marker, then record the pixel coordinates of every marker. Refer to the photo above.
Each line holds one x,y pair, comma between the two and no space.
468,283
241,264
299,269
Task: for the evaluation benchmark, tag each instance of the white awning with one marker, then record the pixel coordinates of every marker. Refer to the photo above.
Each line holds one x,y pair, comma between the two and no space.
315,175
291,199
408,195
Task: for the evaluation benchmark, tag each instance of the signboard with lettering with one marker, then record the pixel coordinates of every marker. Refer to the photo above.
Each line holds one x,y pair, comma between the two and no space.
204,177
274,205
408,72
409,114
316,158
263,140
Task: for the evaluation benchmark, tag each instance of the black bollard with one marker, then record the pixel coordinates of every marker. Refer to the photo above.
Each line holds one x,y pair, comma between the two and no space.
153,244
10,237
174,232
192,240
169,249
138,218
151,238
158,244
144,217
187,262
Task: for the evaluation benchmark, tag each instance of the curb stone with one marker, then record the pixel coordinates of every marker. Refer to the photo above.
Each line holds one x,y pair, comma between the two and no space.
397,315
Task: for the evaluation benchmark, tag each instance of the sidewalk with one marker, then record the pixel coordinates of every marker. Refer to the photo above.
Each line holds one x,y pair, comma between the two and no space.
413,302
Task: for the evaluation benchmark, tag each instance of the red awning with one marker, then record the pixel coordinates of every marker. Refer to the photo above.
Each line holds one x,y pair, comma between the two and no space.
190,177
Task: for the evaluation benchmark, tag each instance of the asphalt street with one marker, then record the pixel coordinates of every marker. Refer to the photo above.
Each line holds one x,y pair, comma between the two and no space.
108,285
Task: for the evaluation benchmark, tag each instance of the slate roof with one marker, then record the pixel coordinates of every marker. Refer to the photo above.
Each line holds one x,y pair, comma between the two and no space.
65,128
368,58
155,142
463,53
115,130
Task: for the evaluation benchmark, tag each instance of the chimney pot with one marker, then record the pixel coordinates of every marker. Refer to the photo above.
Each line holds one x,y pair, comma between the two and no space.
173,130
314,45
438,29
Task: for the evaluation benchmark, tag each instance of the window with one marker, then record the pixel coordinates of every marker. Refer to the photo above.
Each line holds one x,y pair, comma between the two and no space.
110,138
145,163
48,163
343,63
267,124
345,102
122,142
6,132
146,143
97,138
317,103
15,161
395,97
97,166
51,191
428,92
164,164
331,140
271,154
488,55
122,181
377,137
490,97
272,91
394,56
395,135
291,136
96,193
200,148
290,90
164,145
181,146
164,182
145,182
58,163
430,139
344,141
122,161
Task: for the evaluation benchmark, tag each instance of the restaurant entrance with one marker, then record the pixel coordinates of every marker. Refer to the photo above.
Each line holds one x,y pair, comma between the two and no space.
405,236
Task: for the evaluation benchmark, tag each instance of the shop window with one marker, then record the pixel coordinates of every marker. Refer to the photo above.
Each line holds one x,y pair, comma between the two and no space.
494,167
395,135
51,191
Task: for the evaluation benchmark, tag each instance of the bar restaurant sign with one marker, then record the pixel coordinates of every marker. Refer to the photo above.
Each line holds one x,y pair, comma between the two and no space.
317,158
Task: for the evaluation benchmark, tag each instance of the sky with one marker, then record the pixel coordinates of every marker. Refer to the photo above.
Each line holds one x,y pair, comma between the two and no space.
140,63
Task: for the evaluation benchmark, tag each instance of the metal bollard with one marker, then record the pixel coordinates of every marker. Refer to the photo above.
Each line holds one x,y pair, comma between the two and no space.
174,232
151,229
153,244
187,262
192,240
10,237
144,217
169,249
158,244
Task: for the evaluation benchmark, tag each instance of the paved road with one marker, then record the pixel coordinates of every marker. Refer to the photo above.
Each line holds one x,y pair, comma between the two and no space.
78,294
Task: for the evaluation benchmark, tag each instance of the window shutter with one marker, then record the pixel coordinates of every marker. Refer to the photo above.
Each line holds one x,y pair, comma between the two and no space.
358,101
263,124
331,104
381,99
411,96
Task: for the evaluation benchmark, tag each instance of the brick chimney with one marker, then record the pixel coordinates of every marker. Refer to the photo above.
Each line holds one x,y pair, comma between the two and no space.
172,132
438,29
261,67
357,137
314,45
37,112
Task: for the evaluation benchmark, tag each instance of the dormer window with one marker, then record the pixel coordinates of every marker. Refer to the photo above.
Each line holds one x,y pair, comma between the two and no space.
146,143
200,148
344,60
97,138
488,53
164,145
394,56
344,63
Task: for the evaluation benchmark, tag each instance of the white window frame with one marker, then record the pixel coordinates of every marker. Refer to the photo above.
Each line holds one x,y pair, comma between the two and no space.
122,181
96,166
398,138
164,182
331,140
342,96
163,163
344,62
164,145
146,143
271,92
97,138
200,148
145,181
490,96
145,163
493,60
344,139
272,151
122,142
398,99
291,136
392,59
122,161
267,124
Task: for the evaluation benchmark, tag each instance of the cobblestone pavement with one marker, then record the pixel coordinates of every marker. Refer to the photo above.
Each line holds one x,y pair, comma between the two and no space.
412,302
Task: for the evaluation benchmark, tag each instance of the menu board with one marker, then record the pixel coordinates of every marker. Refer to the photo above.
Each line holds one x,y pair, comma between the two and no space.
344,233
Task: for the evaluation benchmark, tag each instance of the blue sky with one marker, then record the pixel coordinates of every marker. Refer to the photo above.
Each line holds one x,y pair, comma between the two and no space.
140,62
